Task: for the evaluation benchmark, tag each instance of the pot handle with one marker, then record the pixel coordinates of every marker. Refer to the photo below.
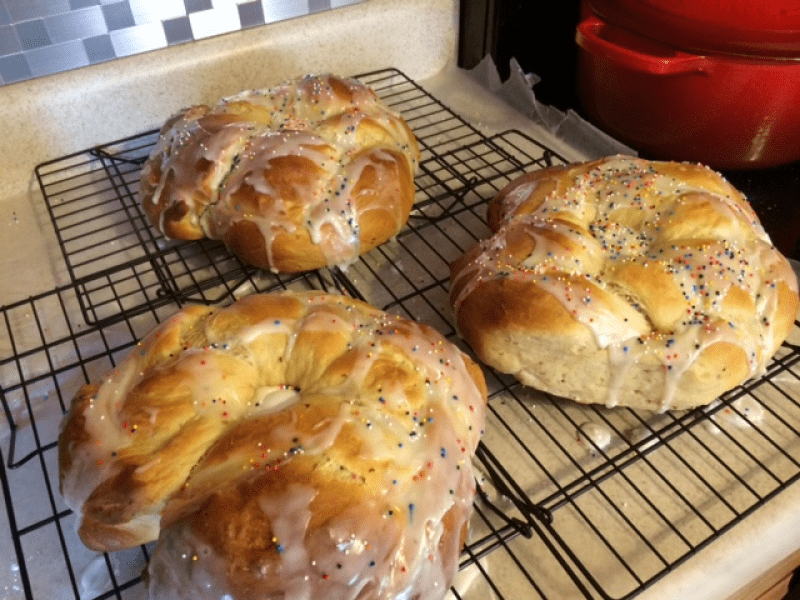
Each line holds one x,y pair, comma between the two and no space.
635,52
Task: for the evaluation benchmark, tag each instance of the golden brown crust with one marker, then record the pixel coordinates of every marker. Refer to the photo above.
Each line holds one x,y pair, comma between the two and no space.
655,278
265,442
311,173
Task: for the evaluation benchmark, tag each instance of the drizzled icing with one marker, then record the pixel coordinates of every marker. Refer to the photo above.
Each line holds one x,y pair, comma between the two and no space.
744,412
394,541
619,214
194,137
596,436
301,148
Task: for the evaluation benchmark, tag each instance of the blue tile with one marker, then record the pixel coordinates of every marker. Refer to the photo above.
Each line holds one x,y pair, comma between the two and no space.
14,68
99,48
118,15
251,14
27,10
78,4
9,42
76,25
178,30
5,18
33,34
318,5
57,58
193,6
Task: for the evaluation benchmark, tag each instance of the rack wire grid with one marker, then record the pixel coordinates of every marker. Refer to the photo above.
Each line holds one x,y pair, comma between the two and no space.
561,513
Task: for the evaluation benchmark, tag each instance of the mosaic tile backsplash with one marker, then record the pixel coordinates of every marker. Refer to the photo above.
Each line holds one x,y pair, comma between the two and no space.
42,37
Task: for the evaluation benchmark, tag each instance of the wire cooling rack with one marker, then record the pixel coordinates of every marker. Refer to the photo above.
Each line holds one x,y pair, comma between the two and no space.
575,502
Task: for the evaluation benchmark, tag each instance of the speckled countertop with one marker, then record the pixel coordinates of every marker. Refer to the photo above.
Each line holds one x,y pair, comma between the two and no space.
55,115
51,116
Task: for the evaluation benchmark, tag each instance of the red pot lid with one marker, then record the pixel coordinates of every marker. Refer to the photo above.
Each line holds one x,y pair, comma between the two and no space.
769,28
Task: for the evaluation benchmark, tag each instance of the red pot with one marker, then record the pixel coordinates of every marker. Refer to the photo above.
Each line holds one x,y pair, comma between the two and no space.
725,111
764,28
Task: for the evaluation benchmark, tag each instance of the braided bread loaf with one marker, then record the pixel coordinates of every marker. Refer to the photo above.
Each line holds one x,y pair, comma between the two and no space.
311,173
291,445
622,281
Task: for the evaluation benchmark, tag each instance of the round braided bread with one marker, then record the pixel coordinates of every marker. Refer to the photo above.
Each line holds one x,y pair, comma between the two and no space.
290,445
623,281
311,173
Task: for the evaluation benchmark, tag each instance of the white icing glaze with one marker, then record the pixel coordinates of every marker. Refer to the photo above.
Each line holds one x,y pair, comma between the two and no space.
743,413
188,141
642,437
609,328
95,579
518,195
596,436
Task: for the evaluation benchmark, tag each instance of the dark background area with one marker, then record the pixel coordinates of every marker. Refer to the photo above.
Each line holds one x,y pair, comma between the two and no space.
540,35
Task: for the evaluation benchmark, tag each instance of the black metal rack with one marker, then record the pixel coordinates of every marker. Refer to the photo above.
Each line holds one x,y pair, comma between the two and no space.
560,514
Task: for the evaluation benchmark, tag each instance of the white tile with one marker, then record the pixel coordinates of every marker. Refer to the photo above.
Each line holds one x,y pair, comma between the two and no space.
214,22
57,58
279,10
152,11
141,38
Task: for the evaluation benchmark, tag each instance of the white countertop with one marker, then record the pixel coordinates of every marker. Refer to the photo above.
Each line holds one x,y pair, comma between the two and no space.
64,113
